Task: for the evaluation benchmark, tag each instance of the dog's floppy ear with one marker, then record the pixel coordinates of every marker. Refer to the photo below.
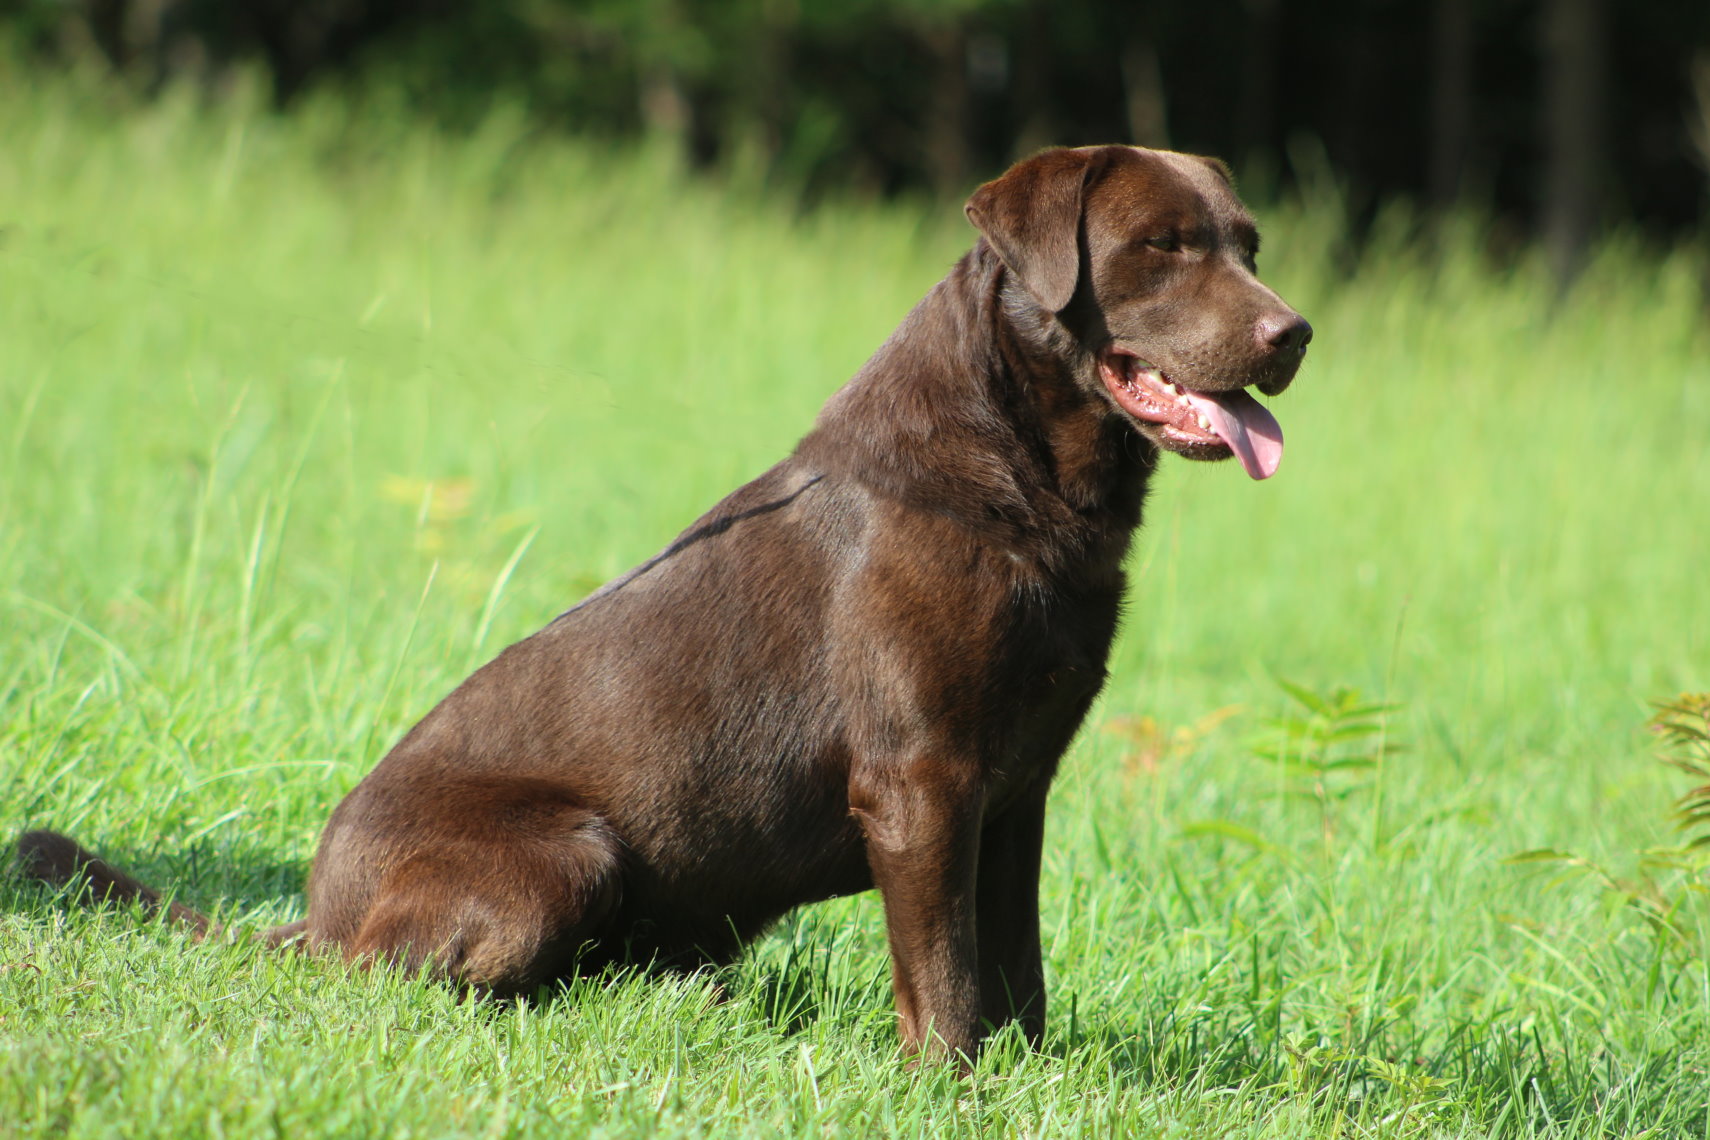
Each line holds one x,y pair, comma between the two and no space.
1032,217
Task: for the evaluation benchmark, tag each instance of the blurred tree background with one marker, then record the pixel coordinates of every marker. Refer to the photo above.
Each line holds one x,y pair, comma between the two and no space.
1558,117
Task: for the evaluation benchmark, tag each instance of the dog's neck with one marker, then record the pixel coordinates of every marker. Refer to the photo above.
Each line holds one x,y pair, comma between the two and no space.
972,409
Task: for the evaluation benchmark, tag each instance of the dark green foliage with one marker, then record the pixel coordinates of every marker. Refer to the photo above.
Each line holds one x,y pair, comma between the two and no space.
1443,101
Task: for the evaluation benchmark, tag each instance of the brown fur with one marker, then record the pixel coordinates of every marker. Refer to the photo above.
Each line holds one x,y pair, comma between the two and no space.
858,670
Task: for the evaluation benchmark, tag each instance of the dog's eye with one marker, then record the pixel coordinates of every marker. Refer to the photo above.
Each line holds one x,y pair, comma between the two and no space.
1165,242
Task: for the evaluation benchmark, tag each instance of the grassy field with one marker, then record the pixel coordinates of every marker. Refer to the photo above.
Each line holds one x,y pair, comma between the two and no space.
301,419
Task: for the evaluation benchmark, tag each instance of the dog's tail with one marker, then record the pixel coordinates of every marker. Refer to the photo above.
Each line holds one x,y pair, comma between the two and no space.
58,861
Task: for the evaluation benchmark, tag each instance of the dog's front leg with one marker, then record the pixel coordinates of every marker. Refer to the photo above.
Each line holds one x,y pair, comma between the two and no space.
923,838
1012,977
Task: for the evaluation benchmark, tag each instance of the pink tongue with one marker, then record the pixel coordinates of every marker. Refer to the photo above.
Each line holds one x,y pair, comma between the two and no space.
1246,425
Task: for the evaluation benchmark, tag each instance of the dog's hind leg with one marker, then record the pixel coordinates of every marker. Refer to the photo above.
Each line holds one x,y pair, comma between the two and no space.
501,915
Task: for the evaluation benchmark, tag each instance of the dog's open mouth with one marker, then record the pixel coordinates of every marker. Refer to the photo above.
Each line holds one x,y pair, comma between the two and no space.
1199,423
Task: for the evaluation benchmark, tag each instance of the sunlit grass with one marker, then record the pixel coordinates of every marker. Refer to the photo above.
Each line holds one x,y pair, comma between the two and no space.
302,418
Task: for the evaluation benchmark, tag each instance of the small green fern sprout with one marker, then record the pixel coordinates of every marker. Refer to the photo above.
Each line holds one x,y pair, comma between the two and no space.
1684,725
1332,750
1667,877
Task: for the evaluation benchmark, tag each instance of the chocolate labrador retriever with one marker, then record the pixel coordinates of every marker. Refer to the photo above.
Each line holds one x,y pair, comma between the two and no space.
860,669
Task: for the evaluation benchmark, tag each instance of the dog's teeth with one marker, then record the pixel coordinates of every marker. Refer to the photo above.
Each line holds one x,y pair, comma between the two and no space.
1169,387
1204,423
1182,399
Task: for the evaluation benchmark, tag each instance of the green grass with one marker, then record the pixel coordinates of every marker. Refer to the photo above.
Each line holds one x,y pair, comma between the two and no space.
302,418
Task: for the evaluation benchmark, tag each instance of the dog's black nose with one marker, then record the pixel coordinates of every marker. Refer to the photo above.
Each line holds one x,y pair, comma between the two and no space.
1284,332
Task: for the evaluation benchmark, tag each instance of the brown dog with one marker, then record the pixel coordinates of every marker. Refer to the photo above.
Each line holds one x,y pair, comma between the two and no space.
858,670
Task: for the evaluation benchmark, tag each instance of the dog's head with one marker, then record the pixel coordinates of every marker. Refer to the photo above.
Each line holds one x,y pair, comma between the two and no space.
1146,258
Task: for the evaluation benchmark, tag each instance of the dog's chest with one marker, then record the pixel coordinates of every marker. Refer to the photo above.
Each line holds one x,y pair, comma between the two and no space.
1053,668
